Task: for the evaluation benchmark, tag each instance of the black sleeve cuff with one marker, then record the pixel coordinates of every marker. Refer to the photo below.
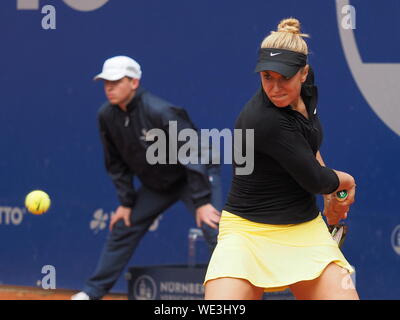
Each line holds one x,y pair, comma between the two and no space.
127,205
128,201
333,179
201,201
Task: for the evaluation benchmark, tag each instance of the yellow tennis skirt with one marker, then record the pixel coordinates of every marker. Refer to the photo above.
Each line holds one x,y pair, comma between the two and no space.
273,256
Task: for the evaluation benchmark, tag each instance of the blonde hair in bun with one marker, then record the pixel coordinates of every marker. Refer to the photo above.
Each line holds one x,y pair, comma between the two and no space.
288,36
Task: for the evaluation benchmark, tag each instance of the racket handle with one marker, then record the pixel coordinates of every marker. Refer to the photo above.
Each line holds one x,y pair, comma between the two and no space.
338,233
341,195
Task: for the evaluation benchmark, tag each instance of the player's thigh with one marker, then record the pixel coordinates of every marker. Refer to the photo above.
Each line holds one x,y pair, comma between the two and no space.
231,289
334,283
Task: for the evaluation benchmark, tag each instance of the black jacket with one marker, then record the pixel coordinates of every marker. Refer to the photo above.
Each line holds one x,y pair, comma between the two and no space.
123,137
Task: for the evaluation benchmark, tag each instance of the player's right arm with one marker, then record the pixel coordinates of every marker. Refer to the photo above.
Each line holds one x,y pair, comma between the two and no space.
282,141
336,210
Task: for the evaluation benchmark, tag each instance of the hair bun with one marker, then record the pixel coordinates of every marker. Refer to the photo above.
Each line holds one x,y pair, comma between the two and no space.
291,25
288,36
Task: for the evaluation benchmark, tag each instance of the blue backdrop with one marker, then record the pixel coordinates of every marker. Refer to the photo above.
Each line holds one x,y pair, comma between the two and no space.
199,55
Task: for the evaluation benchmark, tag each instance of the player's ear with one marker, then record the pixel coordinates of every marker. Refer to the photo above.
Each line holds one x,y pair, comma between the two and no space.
304,73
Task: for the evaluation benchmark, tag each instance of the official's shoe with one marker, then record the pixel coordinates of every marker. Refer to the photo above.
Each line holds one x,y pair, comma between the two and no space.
80,296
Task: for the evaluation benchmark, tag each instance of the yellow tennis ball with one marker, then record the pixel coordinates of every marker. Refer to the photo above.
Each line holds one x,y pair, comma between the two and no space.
37,202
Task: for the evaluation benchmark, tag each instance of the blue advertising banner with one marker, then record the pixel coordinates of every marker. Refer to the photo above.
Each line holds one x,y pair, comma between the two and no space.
201,56
176,282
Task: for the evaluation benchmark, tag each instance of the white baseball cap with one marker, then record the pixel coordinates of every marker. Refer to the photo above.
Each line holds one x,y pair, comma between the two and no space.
116,68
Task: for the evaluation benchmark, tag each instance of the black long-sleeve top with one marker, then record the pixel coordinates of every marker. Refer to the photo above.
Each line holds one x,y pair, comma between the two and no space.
286,176
123,135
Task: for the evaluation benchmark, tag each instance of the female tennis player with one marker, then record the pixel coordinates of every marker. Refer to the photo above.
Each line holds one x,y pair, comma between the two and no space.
272,235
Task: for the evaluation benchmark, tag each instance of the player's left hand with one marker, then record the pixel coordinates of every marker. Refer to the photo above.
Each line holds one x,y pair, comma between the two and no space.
209,215
336,210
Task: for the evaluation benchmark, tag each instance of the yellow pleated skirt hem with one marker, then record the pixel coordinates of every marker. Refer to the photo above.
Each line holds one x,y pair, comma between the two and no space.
274,287
273,256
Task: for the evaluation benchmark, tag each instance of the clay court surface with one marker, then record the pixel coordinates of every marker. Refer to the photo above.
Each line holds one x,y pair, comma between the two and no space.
31,293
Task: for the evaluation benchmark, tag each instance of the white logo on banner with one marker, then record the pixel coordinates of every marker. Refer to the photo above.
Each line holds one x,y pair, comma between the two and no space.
144,288
49,20
382,95
396,239
87,5
11,215
99,221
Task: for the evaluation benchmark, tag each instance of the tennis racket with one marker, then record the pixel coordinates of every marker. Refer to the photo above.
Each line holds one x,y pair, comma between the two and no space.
339,231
